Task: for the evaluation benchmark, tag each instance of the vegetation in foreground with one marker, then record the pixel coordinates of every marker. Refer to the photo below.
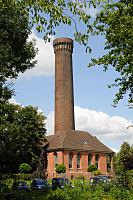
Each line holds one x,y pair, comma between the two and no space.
81,191
121,188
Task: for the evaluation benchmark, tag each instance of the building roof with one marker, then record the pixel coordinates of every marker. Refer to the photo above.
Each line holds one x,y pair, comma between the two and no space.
76,140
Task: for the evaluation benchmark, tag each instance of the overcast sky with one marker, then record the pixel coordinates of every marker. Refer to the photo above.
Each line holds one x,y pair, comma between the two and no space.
93,110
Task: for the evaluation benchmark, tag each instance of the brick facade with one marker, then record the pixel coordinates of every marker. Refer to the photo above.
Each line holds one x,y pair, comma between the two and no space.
63,157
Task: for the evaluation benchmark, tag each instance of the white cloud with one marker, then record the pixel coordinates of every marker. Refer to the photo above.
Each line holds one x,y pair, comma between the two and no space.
114,149
45,59
13,101
112,130
50,123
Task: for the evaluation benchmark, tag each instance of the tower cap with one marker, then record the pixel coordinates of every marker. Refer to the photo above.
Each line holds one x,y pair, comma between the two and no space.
63,45
62,40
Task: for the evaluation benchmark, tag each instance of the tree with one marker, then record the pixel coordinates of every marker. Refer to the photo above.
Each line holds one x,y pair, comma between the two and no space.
124,158
123,164
47,15
16,53
115,22
21,131
60,168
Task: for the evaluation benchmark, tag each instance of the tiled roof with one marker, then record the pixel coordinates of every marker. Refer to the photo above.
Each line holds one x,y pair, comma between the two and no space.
76,140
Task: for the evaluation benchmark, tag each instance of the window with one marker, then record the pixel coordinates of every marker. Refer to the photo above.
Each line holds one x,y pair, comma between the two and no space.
70,160
83,142
78,160
97,160
55,159
108,157
89,159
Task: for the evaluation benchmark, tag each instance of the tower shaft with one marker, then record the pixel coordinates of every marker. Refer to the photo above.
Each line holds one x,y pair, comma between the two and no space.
64,98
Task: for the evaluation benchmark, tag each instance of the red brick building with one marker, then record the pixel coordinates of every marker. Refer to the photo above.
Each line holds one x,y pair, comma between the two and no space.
75,149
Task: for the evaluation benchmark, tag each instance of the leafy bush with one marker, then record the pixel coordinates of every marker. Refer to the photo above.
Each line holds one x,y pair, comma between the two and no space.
92,168
120,193
87,192
80,178
58,195
60,168
34,195
97,172
25,168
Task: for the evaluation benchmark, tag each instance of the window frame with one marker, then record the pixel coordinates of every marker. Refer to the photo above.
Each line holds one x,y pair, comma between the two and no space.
97,157
70,160
78,160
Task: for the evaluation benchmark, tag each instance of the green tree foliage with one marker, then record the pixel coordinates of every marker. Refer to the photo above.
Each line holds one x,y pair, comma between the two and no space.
115,22
25,168
21,130
60,168
123,164
124,158
47,15
16,53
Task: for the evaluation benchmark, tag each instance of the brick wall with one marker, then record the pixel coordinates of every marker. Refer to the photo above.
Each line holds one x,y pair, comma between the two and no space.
63,157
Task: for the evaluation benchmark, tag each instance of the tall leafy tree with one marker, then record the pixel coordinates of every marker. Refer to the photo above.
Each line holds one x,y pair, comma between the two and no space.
21,130
124,158
123,164
16,53
115,22
47,15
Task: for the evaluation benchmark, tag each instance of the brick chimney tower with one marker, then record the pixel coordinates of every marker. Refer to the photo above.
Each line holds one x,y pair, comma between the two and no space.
64,98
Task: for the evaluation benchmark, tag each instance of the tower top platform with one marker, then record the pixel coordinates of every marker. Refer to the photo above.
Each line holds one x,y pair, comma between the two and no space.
63,44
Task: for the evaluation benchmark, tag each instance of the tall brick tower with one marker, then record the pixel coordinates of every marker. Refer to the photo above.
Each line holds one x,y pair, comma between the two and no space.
64,98
73,148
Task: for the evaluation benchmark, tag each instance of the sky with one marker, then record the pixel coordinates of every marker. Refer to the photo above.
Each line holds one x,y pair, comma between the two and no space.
92,97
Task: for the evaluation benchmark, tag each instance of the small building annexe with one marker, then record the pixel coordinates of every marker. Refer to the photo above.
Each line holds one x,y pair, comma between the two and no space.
77,150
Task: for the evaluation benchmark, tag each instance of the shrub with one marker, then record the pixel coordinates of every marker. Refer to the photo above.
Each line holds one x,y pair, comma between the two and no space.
92,168
58,195
60,168
80,178
25,168
97,172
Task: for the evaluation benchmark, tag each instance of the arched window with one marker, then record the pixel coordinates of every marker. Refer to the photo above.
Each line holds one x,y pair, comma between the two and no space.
70,160
55,159
89,159
78,160
97,160
108,157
